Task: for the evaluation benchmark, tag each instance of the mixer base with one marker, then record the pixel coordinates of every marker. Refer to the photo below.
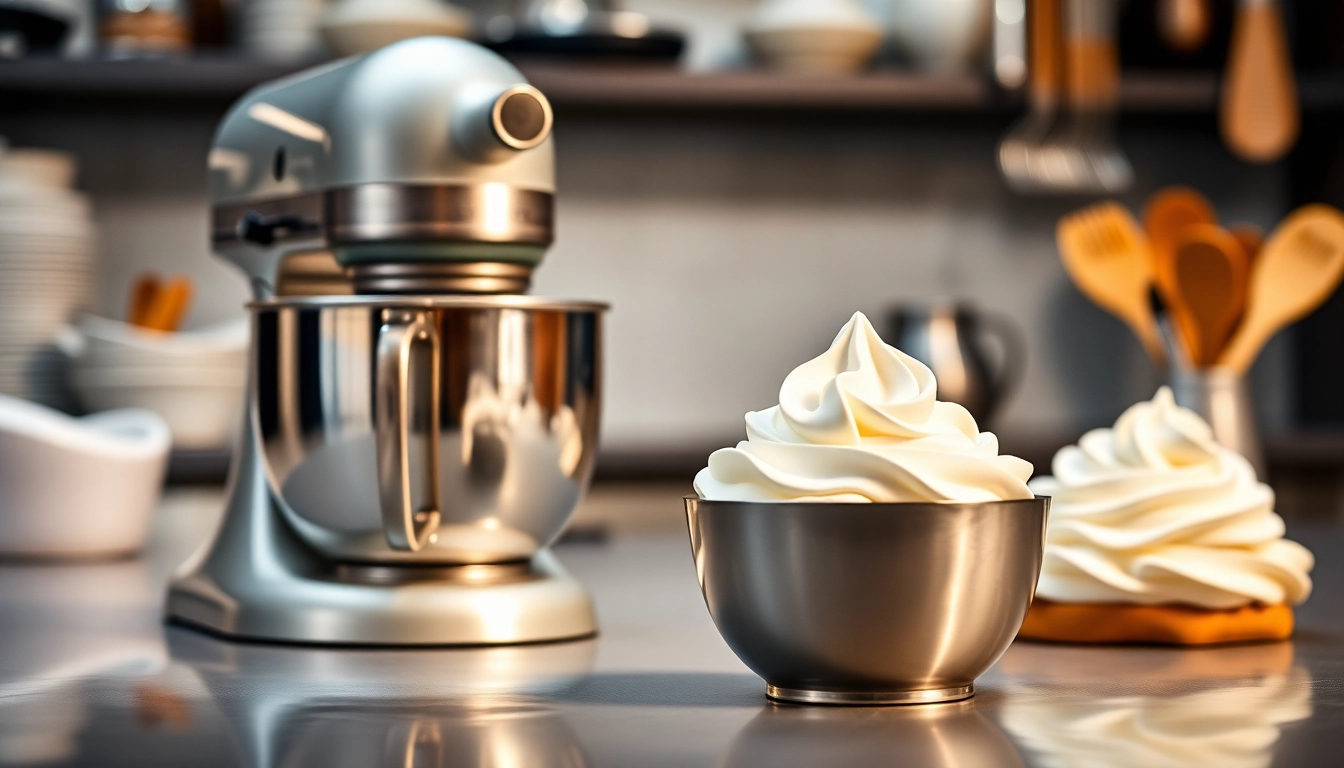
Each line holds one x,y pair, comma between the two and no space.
543,604
257,581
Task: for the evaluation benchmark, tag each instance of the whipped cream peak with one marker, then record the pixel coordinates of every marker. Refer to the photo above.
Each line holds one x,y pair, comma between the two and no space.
862,422
1162,434
1153,510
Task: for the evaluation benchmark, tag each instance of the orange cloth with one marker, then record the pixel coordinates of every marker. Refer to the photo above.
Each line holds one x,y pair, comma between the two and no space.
1166,624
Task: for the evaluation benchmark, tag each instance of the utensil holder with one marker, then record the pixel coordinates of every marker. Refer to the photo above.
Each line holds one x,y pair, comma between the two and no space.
1222,398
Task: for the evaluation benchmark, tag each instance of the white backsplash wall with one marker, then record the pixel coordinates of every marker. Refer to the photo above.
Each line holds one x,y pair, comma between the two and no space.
732,249
733,252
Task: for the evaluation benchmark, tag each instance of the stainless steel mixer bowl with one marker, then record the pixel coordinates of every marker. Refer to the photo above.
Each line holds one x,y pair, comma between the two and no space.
836,603
427,430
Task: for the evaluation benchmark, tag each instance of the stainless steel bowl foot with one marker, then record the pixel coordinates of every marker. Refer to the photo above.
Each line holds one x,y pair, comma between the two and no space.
803,696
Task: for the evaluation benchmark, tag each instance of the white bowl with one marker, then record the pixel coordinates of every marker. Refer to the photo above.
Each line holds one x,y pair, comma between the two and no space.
358,26
203,407
100,342
77,487
815,50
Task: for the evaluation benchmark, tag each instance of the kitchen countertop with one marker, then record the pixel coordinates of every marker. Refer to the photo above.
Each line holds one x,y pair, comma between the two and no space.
89,676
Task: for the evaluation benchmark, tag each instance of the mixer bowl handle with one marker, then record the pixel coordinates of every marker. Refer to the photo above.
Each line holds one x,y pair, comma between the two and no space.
406,421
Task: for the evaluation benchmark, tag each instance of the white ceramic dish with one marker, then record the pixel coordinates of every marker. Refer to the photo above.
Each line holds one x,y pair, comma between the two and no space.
943,36
202,407
817,36
818,51
77,488
100,342
350,27
193,379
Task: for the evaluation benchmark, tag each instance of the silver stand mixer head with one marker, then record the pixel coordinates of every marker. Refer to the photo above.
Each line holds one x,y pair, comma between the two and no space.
406,454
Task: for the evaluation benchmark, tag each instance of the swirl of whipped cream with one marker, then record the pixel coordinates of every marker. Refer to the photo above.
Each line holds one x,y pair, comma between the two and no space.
862,423
1153,510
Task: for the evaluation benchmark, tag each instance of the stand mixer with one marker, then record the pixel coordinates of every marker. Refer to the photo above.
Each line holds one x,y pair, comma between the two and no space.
408,452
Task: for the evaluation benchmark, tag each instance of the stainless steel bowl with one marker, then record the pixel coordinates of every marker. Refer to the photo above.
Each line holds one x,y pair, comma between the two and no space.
428,430
838,603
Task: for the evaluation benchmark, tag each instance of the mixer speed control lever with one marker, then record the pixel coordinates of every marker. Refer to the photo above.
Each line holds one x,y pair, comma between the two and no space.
266,230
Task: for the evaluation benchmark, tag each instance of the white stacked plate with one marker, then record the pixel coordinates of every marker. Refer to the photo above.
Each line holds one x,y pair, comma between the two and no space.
46,270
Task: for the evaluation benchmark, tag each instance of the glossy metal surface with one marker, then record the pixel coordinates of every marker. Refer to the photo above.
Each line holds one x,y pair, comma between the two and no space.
257,580
868,603
272,573
433,277
409,153
949,338
479,415
90,677
1223,399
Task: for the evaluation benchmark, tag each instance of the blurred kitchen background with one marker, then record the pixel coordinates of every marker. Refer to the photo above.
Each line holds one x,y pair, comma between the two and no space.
735,190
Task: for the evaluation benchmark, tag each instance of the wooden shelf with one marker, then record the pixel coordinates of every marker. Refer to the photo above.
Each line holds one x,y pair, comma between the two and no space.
162,83
667,88
190,79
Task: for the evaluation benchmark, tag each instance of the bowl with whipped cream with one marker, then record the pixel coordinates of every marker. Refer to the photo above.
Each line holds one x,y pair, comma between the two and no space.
1158,534
866,544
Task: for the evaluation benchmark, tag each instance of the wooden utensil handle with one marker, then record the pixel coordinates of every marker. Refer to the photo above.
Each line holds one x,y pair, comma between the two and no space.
144,292
1045,66
1092,62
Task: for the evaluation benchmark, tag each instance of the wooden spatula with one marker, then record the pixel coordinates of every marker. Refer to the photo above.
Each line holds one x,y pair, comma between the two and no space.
1169,211
1299,266
1204,283
1258,116
1250,237
1107,256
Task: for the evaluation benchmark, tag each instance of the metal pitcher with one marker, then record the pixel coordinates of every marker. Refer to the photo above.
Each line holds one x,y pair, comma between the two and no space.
1221,397
949,338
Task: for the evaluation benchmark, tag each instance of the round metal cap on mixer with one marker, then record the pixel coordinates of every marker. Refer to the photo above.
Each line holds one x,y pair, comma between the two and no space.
521,117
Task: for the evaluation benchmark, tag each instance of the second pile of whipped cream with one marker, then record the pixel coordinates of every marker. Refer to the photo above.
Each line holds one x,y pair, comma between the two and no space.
862,423
1153,510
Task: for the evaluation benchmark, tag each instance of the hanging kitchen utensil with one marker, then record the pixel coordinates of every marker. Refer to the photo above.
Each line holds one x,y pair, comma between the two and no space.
1021,154
1204,279
1108,258
1298,268
1184,25
1092,74
1259,111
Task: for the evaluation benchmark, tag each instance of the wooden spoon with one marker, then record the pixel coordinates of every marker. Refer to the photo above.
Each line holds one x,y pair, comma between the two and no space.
1204,283
1107,256
1258,115
143,294
1169,211
170,306
1298,268
1251,238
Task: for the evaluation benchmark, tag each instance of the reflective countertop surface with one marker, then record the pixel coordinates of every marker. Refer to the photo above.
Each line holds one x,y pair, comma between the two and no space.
90,676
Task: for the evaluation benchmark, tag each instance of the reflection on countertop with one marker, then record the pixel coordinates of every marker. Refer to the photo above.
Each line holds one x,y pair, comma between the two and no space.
89,676
951,734
1163,707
